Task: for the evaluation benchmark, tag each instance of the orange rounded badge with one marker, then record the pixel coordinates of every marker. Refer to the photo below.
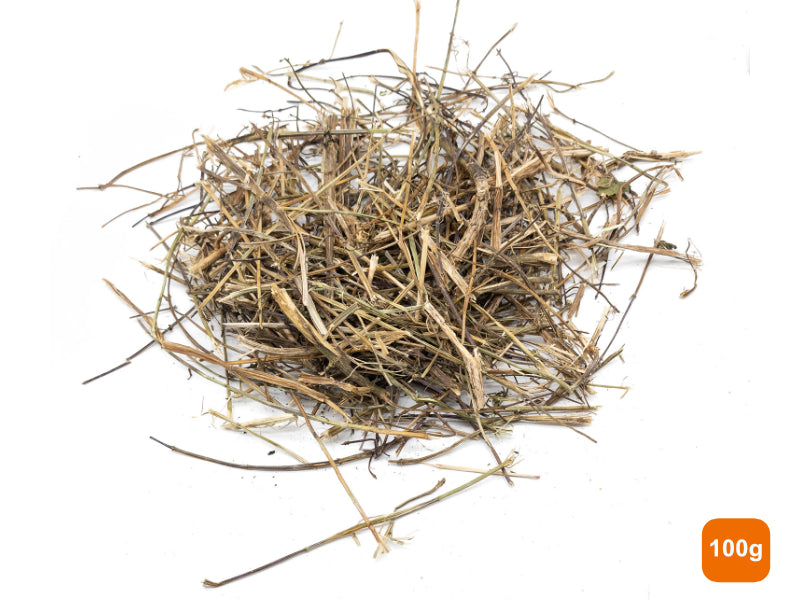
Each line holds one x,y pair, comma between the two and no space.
736,550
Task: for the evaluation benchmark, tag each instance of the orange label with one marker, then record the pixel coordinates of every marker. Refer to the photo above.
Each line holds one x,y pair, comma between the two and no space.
736,550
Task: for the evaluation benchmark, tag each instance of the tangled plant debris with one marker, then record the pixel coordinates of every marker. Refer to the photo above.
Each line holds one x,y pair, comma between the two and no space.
403,258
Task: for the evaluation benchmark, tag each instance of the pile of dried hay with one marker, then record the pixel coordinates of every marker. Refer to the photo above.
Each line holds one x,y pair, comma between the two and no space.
405,259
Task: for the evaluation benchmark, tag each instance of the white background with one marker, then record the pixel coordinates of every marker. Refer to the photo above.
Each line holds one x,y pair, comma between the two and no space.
93,509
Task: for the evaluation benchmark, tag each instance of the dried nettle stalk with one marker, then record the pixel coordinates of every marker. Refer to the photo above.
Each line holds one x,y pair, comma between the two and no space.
404,258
